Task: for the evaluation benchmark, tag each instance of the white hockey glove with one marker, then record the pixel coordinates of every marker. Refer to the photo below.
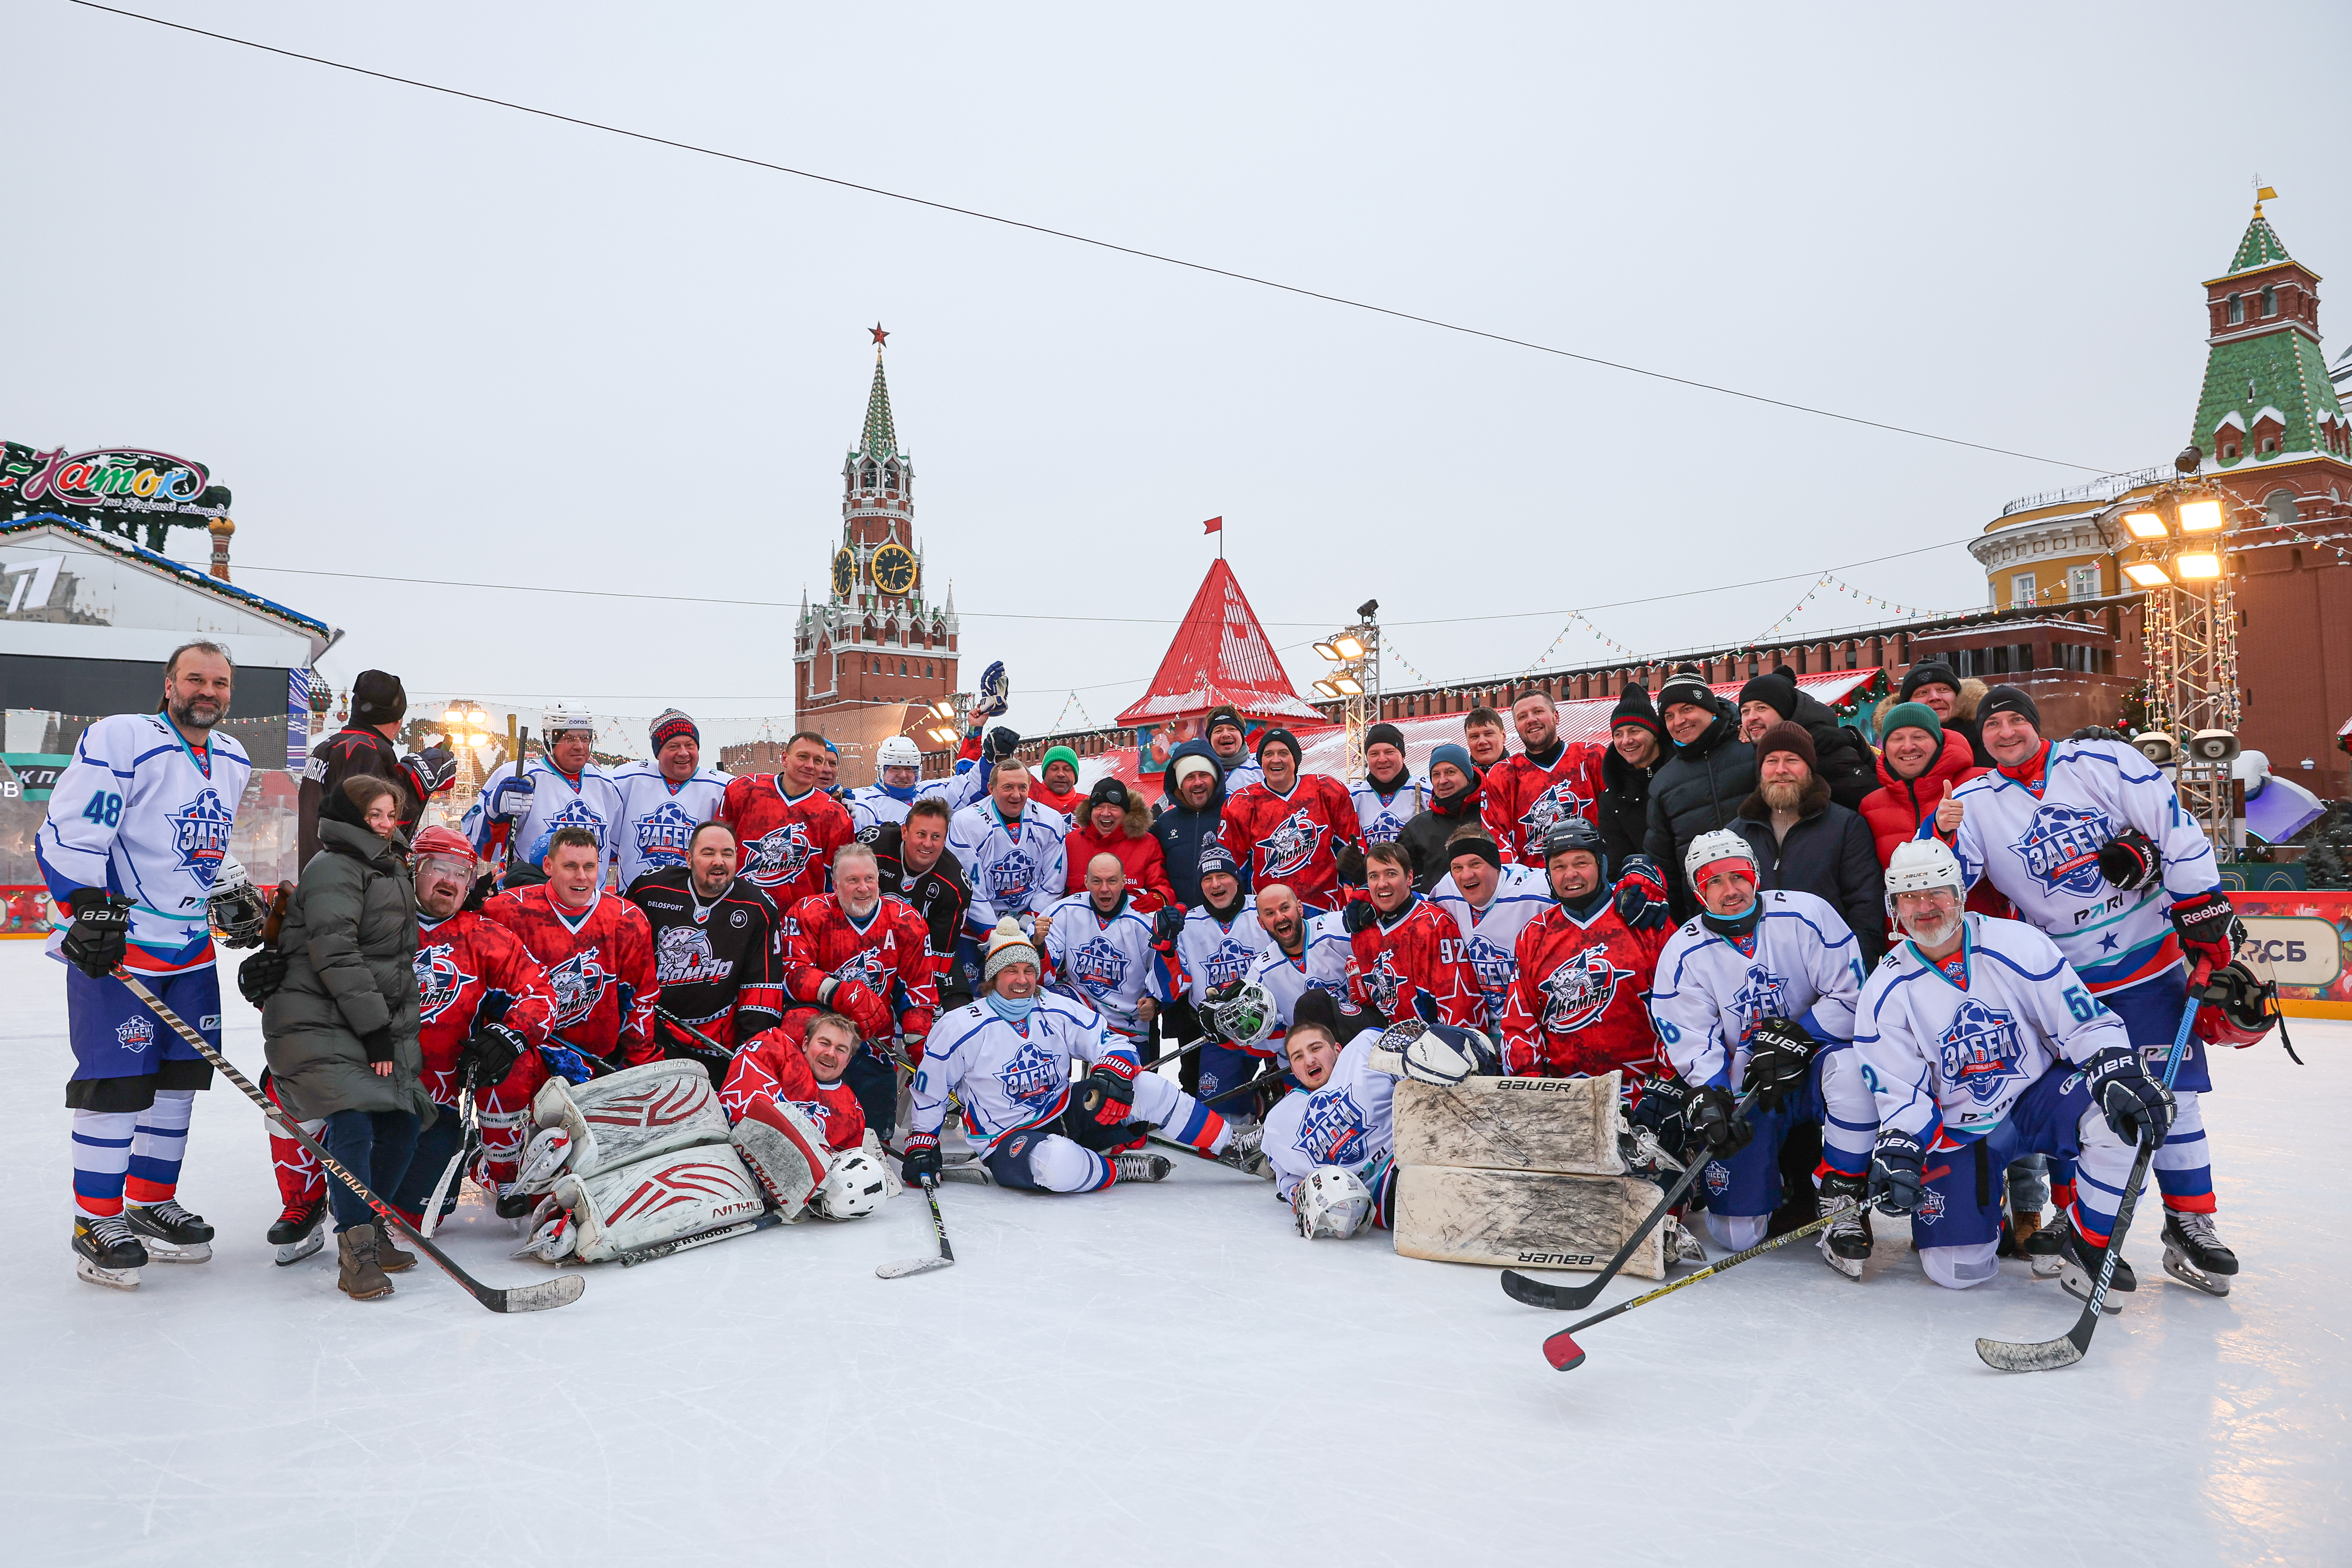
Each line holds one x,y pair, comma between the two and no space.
510,797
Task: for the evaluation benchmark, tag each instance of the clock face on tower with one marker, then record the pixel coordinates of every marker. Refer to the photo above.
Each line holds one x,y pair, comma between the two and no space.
894,569
844,574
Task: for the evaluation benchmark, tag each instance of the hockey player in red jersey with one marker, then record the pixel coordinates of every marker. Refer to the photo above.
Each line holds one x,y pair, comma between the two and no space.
867,957
788,825
1405,957
1551,780
1290,827
596,949
1576,1007
801,1061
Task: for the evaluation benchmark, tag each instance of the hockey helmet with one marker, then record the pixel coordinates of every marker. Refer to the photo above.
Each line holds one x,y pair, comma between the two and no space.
1920,864
234,908
2237,1003
1573,832
854,1186
1330,1202
1720,845
564,714
438,843
899,751
1243,1013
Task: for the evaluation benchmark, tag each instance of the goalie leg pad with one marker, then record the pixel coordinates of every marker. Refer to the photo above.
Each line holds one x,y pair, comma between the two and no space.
633,1114
785,1151
623,1208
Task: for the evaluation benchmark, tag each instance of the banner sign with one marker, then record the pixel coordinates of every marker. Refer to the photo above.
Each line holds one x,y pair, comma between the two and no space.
2305,935
116,490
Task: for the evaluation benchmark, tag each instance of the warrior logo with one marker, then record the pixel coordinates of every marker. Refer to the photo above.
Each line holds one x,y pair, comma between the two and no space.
1980,1050
662,835
2060,848
1332,1131
1548,810
1761,996
1031,1074
864,966
579,985
1931,1207
683,956
780,855
1580,990
1098,966
199,834
135,1034
1718,1176
1287,849
1380,984
439,981
1008,880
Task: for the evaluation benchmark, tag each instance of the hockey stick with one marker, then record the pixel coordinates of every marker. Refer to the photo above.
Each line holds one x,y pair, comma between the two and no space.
1566,1356
700,1238
1200,1153
2005,1355
466,1147
1532,1292
716,1052
561,1291
900,1269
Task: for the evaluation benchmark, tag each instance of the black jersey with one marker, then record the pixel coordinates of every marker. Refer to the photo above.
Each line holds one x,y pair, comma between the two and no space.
348,753
940,895
720,964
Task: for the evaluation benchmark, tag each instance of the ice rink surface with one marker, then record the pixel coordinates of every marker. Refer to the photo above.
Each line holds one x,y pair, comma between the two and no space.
1153,1375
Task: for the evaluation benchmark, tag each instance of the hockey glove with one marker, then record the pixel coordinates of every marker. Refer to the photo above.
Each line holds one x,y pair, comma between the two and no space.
1358,915
1641,895
1714,1120
431,770
1167,925
100,933
2208,926
1780,1058
995,692
2100,733
491,1050
510,797
1350,862
1108,1093
566,1062
258,977
2129,860
1895,1184
1664,1109
1210,1011
2132,1102
921,1162
1002,745
852,1001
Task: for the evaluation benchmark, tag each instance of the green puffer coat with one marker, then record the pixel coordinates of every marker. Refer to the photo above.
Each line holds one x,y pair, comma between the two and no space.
349,940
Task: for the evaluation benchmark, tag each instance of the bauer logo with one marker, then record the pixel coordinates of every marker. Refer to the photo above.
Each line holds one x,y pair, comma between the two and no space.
1561,1259
135,1034
1537,1085
2060,848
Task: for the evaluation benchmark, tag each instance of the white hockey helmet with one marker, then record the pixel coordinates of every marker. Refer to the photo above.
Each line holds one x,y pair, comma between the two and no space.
1920,864
1330,1204
899,751
234,908
565,714
1244,1014
1720,845
854,1186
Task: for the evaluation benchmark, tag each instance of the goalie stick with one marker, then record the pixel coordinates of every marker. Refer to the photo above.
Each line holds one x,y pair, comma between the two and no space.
561,1291
767,1221
467,1145
2008,1356
1533,1292
905,1267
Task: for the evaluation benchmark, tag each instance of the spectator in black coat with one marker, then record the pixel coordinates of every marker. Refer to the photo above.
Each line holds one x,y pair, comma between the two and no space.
1194,812
1456,794
1806,842
1701,786
1847,766
1637,749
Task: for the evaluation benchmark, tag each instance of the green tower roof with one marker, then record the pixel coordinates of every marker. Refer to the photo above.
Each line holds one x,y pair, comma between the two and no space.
2281,370
2261,248
881,436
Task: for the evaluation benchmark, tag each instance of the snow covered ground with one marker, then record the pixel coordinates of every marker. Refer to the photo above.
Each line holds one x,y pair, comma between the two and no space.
1155,1374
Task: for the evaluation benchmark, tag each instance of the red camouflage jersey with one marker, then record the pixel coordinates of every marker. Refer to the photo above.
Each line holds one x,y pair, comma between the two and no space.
1293,839
772,1067
788,843
1525,800
889,955
600,970
1577,1007
470,970
1397,959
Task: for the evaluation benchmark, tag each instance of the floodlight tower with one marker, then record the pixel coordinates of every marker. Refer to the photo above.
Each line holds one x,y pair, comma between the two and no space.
1354,654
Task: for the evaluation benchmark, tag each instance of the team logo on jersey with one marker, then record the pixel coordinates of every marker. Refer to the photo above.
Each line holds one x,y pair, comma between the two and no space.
864,966
2060,848
1291,844
1098,965
576,815
1381,982
1495,967
1332,1131
439,981
579,985
1548,810
135,1035
1761,996
1931,1207
781,853
662,835
1009,878
200,835
683,956
816,1111
1031,1074
1718,1176
1580,990
1980,1050
1229,963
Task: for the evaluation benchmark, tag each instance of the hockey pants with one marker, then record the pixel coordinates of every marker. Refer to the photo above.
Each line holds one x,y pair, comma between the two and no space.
1741,1192
1042,1159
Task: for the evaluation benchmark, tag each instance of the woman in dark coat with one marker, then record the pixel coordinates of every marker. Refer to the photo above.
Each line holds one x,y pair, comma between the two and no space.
342,1029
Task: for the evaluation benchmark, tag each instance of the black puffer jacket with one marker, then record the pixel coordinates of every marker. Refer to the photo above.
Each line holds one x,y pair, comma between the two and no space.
1625,806
1698,790
1424,834
1829,853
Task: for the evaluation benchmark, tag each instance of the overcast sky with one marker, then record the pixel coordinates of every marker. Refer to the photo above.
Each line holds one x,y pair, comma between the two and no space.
428,338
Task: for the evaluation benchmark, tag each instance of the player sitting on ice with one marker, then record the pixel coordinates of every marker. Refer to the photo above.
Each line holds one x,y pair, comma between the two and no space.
1098,948
1983,1045
1761,991
800,1064
1007,1060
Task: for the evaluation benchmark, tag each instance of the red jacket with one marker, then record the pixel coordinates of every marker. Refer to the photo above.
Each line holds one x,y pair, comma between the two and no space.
1896,809
1146,863
1524,801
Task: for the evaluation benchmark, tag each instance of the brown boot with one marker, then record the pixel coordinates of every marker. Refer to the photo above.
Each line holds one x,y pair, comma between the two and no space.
388,1257
361,1279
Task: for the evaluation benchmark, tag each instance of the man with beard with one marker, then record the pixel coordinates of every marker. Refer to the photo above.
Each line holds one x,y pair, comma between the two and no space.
1304,952
1582,971
1807,841
1388,796
1842,759
597,950
1549,782
1290,828
867,957
916,868
718,943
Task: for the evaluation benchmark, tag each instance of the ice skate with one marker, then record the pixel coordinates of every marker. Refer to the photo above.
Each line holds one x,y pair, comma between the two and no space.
2193,1253
1141,1167
1845,1244
110,1253
1681,1245
300,1231
2038,1244
2079,1262
170,1233
1243,1152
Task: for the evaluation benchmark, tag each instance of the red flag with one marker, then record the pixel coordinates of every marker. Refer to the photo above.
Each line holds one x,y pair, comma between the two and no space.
1215,525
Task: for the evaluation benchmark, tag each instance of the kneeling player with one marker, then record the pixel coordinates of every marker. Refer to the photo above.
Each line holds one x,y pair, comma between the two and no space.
1007,1060
1984,1045
802,1062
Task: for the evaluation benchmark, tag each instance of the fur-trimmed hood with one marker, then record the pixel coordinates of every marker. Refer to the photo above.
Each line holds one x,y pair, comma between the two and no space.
1972,691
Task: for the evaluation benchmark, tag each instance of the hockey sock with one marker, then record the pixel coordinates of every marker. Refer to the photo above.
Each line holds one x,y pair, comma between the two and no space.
503,1141
101,1157
1203,1130
2183,1172
300,1181
158,1143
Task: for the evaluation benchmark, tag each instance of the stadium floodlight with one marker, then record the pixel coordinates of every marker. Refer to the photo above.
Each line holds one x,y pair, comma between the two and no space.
2197,566
2145,524
2146,574
1348,686
2200,515
1330,655
1350,644
1327,689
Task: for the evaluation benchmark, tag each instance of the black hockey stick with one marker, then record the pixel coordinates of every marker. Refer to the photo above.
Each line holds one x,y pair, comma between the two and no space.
561,1291
2005,1355
715,1052
900,1269
465,1149
1533,1292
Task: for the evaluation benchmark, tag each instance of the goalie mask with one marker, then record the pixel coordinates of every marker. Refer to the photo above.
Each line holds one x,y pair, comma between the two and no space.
1244,1014
1330,1204
236,908
853,1187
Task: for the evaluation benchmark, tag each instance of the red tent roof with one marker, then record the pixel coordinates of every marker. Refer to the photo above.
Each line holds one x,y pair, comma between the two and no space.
1220,654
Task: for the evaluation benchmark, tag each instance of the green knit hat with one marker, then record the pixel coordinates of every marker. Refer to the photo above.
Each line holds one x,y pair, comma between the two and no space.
1064,754
1912,716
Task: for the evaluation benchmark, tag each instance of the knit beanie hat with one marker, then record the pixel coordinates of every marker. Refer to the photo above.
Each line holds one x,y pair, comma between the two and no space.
1276,735
1787,737
1633,707
1686,685
1057,754
1384,734
378,698
1912,716
1932,672
2009,699
1006,944
1223,714
1459,756
1776,689
1216,858
670,726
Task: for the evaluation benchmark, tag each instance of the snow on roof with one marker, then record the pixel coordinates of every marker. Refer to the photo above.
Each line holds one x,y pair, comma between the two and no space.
2271,413
1220,654
2232,418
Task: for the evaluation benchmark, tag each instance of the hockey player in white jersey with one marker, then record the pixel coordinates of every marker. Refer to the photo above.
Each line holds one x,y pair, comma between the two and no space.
1760,990
1100,949
898,767
1388,795
2087,840
1491,903
1007,1061
665,800
1981,1044
524,801
1216,945
1304,951
136,834
1011,852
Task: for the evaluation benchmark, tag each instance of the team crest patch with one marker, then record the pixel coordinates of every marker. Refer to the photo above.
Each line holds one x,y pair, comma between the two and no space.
1031,1074
781,853
579,985
683,956
439,981
1098,965
662,835
1980,1050
1009,878
1718,1177
1548,810
1332,1132
816,1111
200,835
1382,982
1931,1207
135,1035
575,815
864,966
1581,989
1763,994
1231,961
2060,848
1291,844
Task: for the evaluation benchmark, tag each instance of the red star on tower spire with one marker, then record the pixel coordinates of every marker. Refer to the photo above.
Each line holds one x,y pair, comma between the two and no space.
880,337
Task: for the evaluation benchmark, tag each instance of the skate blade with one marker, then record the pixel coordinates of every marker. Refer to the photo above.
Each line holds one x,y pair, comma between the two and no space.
1849,1267
2077,1284
2177,1264
166,1252
2045,1266
295,1251
112,1278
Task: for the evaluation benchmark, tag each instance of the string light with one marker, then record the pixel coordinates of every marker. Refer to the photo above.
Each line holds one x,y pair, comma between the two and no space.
1575,618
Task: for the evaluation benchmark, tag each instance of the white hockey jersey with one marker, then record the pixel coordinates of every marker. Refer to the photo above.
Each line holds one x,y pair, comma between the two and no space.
1490,937
1323,965
1945,1059
141,813
1802,964
1107,963
966,785
657,819
875,807
1007,1076
2041,850
1384,817
590,801
1012,868
1350,1122
1211,951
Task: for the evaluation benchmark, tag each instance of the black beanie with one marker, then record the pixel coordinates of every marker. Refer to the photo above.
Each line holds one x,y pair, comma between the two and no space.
1633,708
1223,713
378,698
1930,672
1778,689
1388,733
1276,735
1687,685
2009,699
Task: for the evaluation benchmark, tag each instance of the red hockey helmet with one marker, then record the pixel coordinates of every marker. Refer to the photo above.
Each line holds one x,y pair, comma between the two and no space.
2237,1003
442,844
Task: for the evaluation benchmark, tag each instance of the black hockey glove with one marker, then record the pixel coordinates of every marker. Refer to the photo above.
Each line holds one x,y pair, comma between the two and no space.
1212,1009
1715,1121
1108,1093
922,1161
491,1050
1664,1109
430,770
2132,1101
2100,733
1641,895
1350,862
1358,915
258,977
2129,860
1895,1184
484,886
2208,926
1167,925
1780,1058
101,931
